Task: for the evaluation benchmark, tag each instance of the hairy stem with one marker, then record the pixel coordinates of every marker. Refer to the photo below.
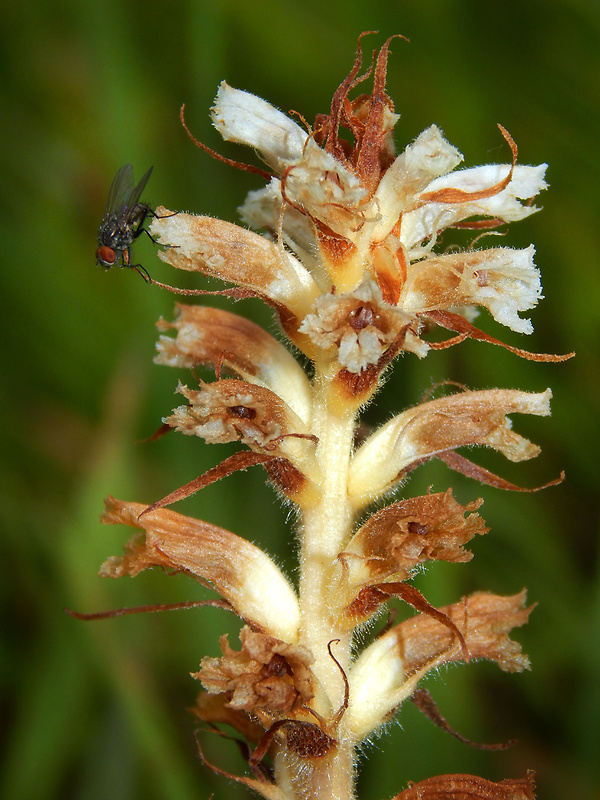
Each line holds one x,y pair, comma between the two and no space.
326,526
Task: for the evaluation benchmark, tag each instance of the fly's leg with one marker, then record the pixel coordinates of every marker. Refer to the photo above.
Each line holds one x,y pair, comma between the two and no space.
126,258
143,210
147,212
142,271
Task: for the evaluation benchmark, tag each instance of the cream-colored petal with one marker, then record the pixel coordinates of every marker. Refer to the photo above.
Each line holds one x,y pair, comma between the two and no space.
265,208
461,419
229,410
428,157
327,191
388,671
377,686
503,280
226,251
355,328
425,221
247,119
240,571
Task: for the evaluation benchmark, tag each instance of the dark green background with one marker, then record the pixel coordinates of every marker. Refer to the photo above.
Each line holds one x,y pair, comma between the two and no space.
97,710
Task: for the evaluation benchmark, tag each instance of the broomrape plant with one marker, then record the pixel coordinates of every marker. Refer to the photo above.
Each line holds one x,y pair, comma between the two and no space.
347,260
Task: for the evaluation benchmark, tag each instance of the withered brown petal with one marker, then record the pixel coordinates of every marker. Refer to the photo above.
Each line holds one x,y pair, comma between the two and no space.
229,410
485,620
266,673
470,787
394,540
213,708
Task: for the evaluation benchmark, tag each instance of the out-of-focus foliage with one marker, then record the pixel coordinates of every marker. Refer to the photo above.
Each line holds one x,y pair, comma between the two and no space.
93,710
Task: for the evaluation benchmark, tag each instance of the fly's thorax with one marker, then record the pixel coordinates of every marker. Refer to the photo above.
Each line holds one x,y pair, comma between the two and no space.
118,231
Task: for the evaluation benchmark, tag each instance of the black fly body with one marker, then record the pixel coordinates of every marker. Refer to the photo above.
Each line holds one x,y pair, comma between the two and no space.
123,222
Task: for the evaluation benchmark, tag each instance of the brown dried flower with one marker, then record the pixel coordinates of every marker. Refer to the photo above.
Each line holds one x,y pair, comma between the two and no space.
265,675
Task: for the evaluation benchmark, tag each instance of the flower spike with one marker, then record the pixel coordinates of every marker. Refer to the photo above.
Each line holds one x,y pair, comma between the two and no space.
342,243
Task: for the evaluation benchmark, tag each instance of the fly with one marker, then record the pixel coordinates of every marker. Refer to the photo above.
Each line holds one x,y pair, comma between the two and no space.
123,222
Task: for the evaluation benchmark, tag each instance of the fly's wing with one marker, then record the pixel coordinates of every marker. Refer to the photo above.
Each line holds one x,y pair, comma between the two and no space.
121,190
135,195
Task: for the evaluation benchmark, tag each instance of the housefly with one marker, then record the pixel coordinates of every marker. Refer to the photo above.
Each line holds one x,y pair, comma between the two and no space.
123,221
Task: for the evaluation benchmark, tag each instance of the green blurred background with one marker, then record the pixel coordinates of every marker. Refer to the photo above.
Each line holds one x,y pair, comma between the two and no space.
96,710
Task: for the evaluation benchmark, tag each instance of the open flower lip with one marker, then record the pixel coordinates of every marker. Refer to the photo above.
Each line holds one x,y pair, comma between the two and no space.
398,538
217,338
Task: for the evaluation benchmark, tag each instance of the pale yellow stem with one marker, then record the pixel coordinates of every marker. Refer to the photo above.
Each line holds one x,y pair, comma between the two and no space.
326,527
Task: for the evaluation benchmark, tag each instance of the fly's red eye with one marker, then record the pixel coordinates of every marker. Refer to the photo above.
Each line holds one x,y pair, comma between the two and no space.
106,255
